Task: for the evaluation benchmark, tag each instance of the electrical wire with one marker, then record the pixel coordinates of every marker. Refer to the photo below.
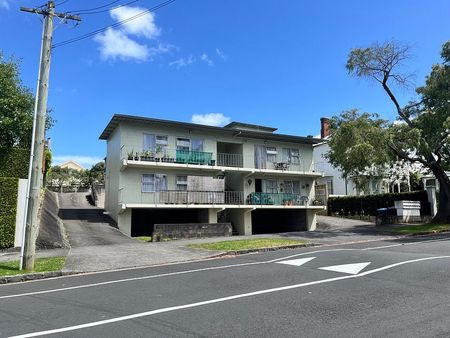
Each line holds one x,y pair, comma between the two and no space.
108,9
117,24
95,8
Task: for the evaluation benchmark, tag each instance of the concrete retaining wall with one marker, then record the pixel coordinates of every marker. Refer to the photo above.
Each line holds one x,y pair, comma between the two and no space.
51,228
163,232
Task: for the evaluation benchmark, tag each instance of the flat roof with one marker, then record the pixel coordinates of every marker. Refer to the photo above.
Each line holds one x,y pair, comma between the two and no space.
120,118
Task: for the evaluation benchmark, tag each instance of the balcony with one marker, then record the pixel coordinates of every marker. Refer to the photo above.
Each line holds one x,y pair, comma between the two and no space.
230,160
287,199
209,161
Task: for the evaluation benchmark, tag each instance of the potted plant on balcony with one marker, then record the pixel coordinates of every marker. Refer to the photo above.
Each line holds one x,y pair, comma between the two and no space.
146,156
131,154
158,154
136,156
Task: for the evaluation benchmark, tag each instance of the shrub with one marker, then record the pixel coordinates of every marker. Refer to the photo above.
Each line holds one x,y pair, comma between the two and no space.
14,162
368,204
8,205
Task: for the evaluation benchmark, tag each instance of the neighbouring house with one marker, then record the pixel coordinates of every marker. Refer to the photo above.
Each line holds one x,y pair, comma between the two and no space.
169,172
332,183
71,165
393,178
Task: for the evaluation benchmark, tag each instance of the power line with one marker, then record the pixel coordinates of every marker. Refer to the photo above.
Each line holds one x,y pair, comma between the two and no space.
95,8
117,24
108,9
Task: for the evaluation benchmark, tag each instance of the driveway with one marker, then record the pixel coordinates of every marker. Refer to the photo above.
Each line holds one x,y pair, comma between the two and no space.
97,245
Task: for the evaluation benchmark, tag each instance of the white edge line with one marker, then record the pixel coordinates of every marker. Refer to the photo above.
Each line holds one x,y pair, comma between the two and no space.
218,300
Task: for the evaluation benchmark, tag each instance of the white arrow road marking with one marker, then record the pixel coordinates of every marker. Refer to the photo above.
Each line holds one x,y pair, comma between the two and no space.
351,269
297,262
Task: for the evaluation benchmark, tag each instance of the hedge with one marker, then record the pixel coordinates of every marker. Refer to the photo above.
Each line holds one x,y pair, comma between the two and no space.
368,204
8,204
14,162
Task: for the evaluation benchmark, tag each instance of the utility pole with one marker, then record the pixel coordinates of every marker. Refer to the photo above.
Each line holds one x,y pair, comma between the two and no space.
30,230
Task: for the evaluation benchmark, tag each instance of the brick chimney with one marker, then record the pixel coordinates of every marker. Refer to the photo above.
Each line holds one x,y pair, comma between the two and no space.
324,127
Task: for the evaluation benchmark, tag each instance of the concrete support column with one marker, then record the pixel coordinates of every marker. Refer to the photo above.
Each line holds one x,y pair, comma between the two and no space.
124,221
241,220
212,215
311,220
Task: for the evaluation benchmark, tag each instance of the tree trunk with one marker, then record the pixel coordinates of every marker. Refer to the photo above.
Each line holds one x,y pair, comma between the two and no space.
443,213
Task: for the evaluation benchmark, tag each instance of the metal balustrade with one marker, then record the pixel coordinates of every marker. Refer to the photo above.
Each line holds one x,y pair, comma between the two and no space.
265,198
230,160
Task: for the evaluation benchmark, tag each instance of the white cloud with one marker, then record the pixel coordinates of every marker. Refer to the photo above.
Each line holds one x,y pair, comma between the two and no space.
4,4
84,161
211,119
116,44
204,57
120,43
141,26
182,62
221,55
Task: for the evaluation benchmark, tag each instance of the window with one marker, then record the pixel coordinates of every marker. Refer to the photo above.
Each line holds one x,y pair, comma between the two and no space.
155,142
189,144
162,142
291,155
154,182
197,145
183,143
292,187
330,187
271,154
270,186
182,183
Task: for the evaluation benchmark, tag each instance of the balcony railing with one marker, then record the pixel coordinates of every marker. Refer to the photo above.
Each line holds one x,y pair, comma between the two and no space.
169,156
230,160
265,198
187,197
179,197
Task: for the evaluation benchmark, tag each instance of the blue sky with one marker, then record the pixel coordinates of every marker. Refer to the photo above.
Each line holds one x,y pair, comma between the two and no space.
276,63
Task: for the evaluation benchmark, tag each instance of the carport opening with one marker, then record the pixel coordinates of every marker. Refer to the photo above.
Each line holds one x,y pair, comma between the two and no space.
142,220
276,221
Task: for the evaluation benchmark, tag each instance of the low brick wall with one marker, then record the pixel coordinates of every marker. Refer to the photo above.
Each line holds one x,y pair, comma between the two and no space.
163,232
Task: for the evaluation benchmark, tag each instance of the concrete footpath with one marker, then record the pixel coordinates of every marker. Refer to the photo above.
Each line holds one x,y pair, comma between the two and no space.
96,244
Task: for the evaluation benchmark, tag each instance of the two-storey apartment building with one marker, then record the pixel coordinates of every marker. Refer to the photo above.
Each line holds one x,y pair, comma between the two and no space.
160,171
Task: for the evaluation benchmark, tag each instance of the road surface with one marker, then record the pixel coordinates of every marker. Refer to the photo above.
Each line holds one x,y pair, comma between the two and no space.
378,289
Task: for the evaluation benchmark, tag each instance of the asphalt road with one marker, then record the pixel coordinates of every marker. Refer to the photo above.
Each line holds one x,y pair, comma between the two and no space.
381,289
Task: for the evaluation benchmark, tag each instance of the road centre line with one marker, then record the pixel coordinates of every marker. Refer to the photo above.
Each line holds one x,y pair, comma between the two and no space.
161,275
219,300
193,271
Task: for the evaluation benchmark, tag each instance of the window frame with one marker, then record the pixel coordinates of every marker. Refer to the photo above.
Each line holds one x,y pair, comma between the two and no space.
154,182
271,153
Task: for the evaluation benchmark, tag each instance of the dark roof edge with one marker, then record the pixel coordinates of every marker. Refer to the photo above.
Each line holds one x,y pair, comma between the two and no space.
234,124
113,123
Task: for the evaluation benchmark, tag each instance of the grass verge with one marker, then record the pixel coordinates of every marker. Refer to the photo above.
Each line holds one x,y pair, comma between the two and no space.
431,228
144,238
40,265
246,244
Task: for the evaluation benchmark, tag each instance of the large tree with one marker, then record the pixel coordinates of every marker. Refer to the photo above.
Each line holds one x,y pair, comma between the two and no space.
16,107
421,132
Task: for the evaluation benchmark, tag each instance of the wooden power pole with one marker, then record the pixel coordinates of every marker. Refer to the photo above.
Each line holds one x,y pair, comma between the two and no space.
37,145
